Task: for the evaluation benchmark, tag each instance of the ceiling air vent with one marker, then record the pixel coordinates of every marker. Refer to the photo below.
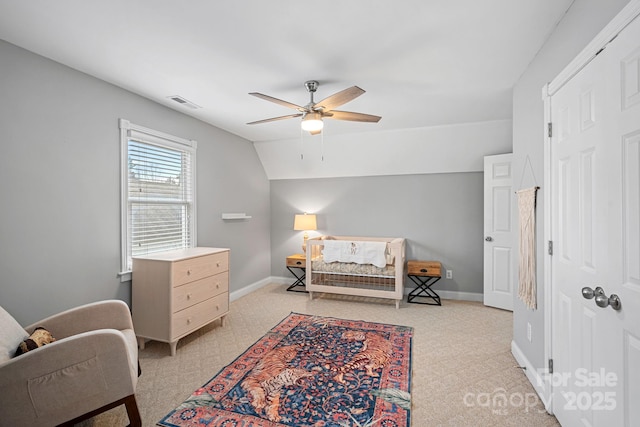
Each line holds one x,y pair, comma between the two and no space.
182,101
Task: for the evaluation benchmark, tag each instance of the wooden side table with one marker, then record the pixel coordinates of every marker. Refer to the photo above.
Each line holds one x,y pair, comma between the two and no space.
299,262
424,274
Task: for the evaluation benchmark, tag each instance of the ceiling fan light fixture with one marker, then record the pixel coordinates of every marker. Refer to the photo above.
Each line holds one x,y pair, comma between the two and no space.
313,113
312,122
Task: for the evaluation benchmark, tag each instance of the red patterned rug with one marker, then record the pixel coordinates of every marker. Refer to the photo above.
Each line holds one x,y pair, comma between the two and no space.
310,371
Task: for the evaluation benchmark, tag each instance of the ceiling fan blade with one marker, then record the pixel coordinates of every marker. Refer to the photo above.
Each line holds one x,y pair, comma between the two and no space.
278,101
339,98
273,119
354,117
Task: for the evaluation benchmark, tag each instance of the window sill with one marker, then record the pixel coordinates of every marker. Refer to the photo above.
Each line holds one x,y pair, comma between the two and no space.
125,276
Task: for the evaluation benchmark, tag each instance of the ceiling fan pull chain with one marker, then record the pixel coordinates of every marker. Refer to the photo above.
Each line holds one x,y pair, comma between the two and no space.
322,147
301,140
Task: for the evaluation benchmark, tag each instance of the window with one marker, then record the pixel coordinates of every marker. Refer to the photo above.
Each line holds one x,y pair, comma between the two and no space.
158,192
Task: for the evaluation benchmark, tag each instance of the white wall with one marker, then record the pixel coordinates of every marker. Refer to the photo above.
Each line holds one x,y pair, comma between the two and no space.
582,23
60,187
442,149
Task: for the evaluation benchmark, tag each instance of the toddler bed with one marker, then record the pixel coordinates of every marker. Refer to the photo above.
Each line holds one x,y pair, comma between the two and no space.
362,266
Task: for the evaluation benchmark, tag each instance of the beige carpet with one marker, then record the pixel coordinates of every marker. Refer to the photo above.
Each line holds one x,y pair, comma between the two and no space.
461,358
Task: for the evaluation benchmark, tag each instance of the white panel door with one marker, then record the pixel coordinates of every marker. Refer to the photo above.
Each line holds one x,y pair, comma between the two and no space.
595,223
498,231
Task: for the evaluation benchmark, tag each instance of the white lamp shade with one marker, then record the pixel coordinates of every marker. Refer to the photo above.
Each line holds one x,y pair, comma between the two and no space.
312,122
304,222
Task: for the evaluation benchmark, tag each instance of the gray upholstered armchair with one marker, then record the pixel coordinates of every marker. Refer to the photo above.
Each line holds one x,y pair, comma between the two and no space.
90,368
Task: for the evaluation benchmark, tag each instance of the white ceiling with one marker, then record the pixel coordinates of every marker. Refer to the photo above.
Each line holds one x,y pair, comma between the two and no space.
422,62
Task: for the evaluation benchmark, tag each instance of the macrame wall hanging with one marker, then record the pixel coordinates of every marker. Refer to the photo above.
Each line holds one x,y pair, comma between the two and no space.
527,290
527,267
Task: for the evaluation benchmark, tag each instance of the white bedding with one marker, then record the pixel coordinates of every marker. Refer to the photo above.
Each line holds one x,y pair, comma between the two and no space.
358,252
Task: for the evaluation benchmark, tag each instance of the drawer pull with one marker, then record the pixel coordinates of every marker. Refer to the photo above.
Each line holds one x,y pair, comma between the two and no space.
423,270
218,264
188,320
189,272
188,296
217,308
298,262
217,285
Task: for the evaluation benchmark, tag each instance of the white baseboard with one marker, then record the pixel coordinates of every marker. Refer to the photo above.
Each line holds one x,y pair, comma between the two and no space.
282,280
538,382
460,296
452,295
250,288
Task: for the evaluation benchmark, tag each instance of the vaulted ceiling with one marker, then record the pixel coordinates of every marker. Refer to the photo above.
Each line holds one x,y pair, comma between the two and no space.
422,62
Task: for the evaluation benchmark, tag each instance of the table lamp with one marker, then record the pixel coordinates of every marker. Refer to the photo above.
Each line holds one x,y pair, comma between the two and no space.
304,222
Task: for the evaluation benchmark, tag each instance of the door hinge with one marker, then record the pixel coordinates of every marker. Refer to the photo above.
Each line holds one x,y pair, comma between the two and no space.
549,130
551,366
550,247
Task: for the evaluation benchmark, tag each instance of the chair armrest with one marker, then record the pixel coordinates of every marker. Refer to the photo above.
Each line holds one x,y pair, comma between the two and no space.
110,314
66,378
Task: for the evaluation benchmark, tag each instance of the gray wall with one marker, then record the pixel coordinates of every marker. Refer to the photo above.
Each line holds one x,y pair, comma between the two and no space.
440,215
581,24
60,187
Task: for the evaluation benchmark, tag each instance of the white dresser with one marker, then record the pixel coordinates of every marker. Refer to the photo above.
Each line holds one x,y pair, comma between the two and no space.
177,292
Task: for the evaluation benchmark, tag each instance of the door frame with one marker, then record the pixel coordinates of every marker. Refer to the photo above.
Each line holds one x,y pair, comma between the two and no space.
604,37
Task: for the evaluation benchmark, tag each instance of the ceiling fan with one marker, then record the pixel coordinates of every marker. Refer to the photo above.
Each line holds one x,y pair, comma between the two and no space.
313,113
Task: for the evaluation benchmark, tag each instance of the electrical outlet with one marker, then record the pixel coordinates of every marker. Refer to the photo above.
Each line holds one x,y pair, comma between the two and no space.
529,331
449,274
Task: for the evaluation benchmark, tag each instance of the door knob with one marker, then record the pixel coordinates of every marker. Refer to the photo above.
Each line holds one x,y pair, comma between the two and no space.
613,301
489,239
602,300
589,293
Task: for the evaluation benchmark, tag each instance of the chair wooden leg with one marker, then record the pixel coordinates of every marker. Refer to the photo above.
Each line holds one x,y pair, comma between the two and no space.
132,411
130,404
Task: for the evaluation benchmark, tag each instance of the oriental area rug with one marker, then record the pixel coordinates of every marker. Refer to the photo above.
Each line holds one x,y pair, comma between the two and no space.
310,371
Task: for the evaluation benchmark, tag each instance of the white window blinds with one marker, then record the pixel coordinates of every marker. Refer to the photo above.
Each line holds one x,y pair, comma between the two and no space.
159,192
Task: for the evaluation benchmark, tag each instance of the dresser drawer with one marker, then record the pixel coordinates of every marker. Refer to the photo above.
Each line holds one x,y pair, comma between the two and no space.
198,315
424,268
192,293
192,269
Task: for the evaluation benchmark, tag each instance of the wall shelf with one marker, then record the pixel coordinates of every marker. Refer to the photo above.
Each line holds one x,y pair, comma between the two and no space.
241,215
